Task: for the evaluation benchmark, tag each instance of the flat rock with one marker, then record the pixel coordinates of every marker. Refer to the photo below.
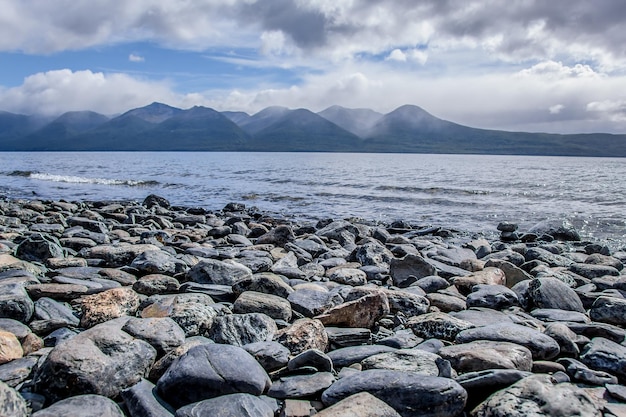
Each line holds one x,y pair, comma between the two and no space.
230,405
488,276
480,316
405,360
362,404
363,312
157,262
310,302
610,310
355,354
212,370
117,255
15,302
156,284
553,314
213,271
605,355
271,355
301,386
496,297
541,346
407,393
485,354
256,302
267,283
593,271
401,270
339,337
141,400
18,370
538,396
162,333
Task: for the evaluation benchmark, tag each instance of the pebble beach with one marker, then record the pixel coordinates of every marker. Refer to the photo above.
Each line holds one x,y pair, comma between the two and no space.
144,309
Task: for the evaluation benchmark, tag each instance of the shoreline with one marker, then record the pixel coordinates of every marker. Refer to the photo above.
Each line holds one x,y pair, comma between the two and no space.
118,305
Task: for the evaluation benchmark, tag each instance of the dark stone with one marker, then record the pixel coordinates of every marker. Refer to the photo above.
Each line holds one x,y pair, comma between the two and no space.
432,283
242,329
554,293
593,271
311,358
211,370
271,355
12,404
102,360
354,354
579,372
141,400
49,309
496,297
162,333
481,384
559,229
310,302
15,303
231,405
213,271
604,355
610,310
408,393
39,247
480,316
340,337
88,405
553,314
17,371
401,270
301,386
155,200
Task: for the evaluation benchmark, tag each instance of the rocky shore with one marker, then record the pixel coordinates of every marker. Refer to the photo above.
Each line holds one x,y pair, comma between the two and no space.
148,310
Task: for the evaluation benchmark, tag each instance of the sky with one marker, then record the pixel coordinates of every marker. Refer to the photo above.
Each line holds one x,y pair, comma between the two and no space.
554,66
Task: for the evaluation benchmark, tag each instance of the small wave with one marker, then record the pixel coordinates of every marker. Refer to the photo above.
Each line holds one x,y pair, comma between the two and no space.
20,173
85,180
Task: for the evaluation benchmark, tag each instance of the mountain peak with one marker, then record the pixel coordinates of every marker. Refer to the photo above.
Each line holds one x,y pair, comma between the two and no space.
154,112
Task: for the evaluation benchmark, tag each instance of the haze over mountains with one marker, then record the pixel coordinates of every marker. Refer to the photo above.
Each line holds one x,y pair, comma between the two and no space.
410,129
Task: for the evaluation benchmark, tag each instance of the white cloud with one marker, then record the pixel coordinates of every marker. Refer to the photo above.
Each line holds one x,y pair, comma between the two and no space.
612,110
136,58
556,109
55,92
396,55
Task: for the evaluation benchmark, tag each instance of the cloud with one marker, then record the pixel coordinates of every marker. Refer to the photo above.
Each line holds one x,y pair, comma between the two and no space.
136,58
55,92
396,55
556,109
613,110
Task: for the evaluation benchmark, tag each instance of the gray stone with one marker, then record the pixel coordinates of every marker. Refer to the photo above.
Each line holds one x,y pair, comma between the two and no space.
604,355
12,404
17,371
480,385
268,304
212,271
271,355
39,247
162,333
480,316
49,309
541,346
432,283
230,405
88,405
102,360
345,336
363,312
401,339
547,257
355,354
446,302
301,386
311,358
303,334
242,329
117,255
15,302
267,283
362,404
156,284
405,360
409,269
211,370
349,276
579,372
538,396
161,365
408,393
610,310
141,400
496,297
568,340
437,326
593,271
481,355
553,314
558,229
553,293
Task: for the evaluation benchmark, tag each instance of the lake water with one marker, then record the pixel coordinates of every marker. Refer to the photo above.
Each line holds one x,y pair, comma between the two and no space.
465,192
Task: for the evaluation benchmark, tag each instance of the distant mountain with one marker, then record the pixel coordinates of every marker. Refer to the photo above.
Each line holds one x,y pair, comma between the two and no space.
357,121
302,130
159,127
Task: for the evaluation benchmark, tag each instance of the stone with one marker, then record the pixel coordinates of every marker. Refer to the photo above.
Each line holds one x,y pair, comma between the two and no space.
211,370
512,273
157,262
553,293
407,303
303,334
141,400
310,302
156,284
481,384
363,312
242,329
88,405
593,271
481,355
538,396
301,386
271,355
39,247
117,255
266,283
605,355
405,360
488,276
230,405
278,236
362,404
547,257
102,360
17,371
558,229
409,269
255,302
480,316
192,314
553,314
401,339
610,310
437,325
50,309
161,365
213,271
352,336
162,333
355,354
445,302
107,305
568,340
59,292
579,372
12,403
496,297
10,347
15,303
407,393
311,358
540,345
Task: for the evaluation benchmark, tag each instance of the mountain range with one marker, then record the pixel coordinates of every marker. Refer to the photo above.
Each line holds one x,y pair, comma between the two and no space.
407,129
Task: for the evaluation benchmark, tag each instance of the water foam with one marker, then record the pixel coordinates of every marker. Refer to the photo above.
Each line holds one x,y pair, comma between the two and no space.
86,180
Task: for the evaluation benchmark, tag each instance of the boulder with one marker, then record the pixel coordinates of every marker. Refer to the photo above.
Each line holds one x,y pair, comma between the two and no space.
213,271
363,312
242,329
496,297
303,334
409,269
230,405
610,310
485,354
256,302
12,403
15,302
605,355
271,355
408,393
405,360
212,370
301,386
87,405
437,326
488,276
39,247
162,333
141,400
362,404
553,293
107,305
10,347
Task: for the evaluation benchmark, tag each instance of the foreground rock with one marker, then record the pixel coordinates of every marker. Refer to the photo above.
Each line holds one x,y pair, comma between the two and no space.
156,310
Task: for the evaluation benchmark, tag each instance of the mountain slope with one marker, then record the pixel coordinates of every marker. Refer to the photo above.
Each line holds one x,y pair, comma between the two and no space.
153,113
357,121
263,119
304,131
